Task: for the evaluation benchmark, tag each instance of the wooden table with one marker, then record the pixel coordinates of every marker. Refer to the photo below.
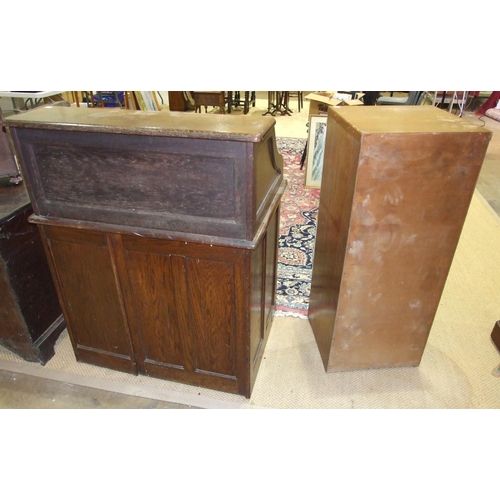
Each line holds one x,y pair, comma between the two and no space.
277,102
32,98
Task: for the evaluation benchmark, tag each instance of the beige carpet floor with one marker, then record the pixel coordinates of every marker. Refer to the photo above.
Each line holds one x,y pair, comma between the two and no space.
456,369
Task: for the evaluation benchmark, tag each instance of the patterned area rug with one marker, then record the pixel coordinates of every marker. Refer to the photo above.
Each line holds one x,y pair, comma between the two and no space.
299,208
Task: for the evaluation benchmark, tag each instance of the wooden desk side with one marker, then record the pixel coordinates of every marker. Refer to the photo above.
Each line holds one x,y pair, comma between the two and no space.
30,315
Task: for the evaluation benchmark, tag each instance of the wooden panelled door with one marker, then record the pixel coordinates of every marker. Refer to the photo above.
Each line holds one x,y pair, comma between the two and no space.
189,312
185,302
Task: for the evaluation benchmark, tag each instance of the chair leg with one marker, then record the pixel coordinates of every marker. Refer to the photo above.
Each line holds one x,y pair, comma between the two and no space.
303,159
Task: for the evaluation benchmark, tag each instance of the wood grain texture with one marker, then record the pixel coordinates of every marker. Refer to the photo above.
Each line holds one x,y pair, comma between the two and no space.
263,294
189,302
197,314
91,301
176,101
216,186
392,208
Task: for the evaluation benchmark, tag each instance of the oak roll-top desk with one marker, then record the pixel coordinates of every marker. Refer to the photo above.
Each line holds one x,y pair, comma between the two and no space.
161,230
396,187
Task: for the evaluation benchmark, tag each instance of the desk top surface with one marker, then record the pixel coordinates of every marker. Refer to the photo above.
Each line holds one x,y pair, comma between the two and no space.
153,123
402,120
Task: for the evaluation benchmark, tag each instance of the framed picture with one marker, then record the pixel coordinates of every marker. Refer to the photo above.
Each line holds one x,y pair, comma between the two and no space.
315,150
147,100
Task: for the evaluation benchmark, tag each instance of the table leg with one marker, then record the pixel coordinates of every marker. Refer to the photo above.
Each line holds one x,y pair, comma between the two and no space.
246,105
286,101
270,103
222,104
281,104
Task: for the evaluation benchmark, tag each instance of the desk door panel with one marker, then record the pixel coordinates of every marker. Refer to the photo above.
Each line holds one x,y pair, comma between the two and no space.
185,304
92,303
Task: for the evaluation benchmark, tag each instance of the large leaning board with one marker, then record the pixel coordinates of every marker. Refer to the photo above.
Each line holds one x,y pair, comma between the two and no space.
397,183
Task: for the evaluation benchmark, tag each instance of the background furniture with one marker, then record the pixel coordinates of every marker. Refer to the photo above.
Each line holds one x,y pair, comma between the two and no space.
370,97
25,100
278,102
300,98
108,99
234,100
491,102
207,98
176,101
397,184
30,315
493,113
162,236
8,165
441,98
413,98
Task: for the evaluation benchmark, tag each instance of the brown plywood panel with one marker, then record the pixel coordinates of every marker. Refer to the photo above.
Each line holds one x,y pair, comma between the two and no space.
380,275
338,185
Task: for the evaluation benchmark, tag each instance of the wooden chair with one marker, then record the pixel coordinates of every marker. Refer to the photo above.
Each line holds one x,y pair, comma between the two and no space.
87,97
234,100
411,99
300,97
204,98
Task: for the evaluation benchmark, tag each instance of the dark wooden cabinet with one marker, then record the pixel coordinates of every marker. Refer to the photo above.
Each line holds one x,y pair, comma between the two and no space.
397,183
177,101
161,230
30,317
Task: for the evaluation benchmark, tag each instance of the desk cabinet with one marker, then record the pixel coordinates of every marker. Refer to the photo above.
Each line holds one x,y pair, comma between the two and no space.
30,317
162,232
171,309
397,184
